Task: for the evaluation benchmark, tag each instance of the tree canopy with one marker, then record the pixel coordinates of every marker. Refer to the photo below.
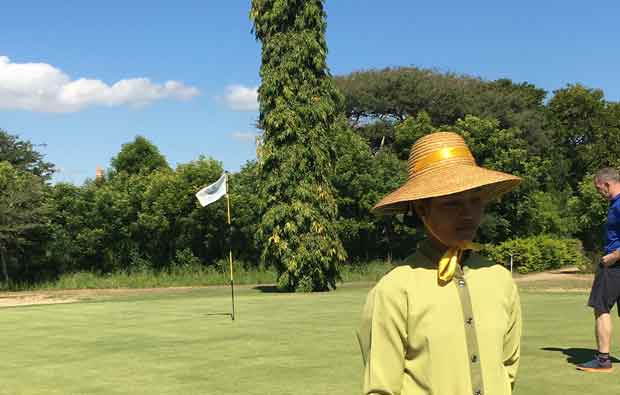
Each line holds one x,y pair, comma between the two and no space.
140,155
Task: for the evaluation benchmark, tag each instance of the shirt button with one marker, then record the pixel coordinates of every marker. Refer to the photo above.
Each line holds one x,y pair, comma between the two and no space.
474,358
461,283
478,392
469,320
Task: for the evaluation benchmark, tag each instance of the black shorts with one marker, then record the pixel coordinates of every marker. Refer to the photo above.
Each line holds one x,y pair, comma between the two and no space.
605,289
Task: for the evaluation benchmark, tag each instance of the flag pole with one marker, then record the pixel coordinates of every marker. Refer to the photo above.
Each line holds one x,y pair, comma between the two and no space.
212,193
230,259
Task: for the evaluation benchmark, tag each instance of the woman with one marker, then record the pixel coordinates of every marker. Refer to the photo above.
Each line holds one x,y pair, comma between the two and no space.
448,321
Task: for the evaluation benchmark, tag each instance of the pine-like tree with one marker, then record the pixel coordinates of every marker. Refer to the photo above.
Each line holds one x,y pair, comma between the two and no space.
300,111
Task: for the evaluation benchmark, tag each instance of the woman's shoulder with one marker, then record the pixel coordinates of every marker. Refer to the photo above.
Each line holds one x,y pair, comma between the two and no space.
396,275
404,272
489,267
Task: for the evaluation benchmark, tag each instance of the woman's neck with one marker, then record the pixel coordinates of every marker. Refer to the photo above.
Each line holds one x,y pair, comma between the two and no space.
436,244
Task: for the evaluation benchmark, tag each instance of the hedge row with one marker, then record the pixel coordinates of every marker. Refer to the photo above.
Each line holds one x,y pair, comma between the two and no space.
537,253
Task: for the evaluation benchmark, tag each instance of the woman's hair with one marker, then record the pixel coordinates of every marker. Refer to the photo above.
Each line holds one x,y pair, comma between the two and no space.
411,217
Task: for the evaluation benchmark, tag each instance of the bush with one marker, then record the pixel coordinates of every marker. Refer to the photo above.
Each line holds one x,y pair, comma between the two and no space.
185,259
537,253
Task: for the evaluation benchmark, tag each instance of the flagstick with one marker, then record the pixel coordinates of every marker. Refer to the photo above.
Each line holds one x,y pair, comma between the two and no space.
212,193
230,260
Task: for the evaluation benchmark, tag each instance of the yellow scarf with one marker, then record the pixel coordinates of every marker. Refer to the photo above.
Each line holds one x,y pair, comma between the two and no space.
450,259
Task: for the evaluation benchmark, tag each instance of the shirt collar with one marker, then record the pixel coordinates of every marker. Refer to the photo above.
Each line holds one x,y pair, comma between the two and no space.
615,199
433,254
429,250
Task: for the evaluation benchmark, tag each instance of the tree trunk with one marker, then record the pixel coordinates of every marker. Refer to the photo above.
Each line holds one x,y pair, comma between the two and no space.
5,271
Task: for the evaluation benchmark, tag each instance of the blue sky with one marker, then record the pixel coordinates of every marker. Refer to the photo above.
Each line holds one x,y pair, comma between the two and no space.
85,77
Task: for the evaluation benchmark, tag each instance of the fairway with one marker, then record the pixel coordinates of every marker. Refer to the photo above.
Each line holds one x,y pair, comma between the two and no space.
177,343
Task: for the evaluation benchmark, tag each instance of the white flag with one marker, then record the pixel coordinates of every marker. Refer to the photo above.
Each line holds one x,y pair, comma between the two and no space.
213,192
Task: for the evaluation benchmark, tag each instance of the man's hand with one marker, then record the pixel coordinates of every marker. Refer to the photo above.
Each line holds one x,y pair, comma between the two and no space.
611,258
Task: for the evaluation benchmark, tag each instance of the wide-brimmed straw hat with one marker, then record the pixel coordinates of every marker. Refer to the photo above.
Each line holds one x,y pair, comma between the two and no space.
441,164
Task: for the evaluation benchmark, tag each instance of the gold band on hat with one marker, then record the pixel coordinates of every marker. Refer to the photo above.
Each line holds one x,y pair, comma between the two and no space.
442,154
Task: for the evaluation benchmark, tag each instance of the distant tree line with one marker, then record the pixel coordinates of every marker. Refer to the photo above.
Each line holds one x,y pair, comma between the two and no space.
142,215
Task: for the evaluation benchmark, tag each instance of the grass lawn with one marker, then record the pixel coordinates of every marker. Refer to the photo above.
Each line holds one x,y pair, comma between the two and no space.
304,344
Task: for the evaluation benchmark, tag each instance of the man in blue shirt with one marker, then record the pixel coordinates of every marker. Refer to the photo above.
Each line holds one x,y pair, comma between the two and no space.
606,287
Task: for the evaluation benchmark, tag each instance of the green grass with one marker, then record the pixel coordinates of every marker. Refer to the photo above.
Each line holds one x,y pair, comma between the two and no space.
176,343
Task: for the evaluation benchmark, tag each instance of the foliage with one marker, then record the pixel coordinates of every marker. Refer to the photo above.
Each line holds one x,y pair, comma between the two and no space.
22,216
551,213
591,213
506,150
360,180
537,253
300,113
401,92
585,130
76,237
245,205
138,156
306,203
22,156
137,222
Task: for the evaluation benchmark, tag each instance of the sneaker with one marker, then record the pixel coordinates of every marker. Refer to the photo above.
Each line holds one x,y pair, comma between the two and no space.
595,365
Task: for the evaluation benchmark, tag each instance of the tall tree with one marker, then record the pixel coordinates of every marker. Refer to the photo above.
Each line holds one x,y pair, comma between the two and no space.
300,111
139,155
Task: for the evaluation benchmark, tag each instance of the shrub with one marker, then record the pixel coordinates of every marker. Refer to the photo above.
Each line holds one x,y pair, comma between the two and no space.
185,259
537,253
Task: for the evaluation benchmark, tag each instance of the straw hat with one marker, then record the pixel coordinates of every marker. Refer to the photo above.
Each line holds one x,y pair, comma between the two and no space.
441,164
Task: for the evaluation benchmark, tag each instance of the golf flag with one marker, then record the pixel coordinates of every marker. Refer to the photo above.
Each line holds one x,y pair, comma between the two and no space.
213,192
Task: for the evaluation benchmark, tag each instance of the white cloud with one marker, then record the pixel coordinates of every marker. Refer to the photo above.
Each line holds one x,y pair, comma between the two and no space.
44,88
246,137
241,98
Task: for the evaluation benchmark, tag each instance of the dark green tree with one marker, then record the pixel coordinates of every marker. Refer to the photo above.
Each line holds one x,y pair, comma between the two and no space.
507,150
585,130
22,213
77,238
245,203
361,179
22,155
172,221
138,156
591,211
401,92
299,114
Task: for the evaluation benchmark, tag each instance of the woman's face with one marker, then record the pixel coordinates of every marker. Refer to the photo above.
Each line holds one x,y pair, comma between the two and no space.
453,219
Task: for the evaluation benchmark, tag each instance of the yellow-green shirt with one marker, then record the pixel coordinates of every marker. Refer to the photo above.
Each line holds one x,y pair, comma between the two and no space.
418,337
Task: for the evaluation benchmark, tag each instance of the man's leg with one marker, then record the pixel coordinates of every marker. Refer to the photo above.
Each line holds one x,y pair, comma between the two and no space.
603,331
602,326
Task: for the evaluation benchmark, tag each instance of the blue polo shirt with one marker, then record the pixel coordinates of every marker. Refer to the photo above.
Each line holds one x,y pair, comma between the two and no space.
612,228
